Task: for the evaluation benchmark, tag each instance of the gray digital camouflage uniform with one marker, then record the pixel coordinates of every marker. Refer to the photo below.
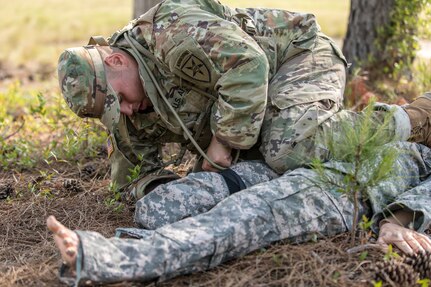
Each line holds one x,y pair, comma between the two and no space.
296,206
194,194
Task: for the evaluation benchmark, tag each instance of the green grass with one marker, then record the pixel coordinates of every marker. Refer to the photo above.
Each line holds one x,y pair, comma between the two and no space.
37,31
37,127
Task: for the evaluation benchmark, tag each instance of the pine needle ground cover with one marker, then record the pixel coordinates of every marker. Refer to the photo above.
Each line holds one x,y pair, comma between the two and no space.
51,162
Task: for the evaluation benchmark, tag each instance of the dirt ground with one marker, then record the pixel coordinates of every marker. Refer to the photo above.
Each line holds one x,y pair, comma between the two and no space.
76,195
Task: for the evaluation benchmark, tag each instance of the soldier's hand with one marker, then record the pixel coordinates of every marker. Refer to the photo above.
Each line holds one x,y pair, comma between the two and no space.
407,240
219,154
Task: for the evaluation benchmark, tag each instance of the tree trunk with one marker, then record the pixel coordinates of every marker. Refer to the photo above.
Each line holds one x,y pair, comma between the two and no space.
142,6
366,17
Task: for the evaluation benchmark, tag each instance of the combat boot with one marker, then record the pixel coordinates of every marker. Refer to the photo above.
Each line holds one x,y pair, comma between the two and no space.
419,112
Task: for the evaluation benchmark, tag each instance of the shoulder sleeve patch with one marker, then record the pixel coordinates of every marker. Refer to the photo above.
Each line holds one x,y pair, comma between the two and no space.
193,67
188,61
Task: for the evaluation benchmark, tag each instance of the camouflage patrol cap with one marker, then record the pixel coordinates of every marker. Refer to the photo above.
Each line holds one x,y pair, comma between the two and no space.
84,86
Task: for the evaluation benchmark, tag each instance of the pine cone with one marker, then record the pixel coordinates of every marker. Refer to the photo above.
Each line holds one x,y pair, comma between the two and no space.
395,271
6,190
72,185
88,171
421,263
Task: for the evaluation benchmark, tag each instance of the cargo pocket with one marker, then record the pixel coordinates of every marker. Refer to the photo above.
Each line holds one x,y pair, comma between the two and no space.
337,51
311,76
299,46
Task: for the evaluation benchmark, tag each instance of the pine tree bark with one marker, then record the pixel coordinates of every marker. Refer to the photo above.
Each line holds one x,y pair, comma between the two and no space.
142,6
366,16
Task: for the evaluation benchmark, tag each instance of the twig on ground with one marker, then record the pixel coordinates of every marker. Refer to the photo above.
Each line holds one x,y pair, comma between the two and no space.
364,247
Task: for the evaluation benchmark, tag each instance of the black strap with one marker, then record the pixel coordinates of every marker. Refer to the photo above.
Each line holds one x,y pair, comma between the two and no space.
233,180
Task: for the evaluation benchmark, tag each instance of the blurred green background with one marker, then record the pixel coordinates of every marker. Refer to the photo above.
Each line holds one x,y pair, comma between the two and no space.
37,31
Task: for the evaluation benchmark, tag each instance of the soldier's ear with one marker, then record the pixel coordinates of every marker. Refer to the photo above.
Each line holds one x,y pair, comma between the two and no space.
116,60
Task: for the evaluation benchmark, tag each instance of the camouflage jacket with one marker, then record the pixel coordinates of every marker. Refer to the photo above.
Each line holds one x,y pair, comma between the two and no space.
213,64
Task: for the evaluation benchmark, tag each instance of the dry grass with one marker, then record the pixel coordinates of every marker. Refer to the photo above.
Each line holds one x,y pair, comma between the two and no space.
28,256
324,263
27,253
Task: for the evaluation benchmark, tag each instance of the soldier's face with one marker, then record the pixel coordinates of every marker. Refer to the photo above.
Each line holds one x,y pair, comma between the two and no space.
123,76
131,96
129,106
130,91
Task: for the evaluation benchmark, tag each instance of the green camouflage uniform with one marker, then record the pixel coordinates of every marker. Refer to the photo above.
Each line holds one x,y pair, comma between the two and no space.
276,56
238,74
257,70
296,206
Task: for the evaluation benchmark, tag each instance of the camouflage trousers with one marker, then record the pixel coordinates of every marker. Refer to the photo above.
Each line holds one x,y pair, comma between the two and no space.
306,98
291,206
194,194
296,206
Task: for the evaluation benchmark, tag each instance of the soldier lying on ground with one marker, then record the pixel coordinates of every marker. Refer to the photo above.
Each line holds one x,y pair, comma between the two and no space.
259,81
293,207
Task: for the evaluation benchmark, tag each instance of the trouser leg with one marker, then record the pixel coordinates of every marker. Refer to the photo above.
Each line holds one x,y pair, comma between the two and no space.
412,166
290,207
194,194
293,152
306,96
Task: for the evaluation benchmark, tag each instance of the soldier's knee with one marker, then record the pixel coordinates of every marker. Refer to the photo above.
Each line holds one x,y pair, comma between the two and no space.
282,161
299,155
141,217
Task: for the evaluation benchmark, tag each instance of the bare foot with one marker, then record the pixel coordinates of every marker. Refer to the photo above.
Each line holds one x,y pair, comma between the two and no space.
65,239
